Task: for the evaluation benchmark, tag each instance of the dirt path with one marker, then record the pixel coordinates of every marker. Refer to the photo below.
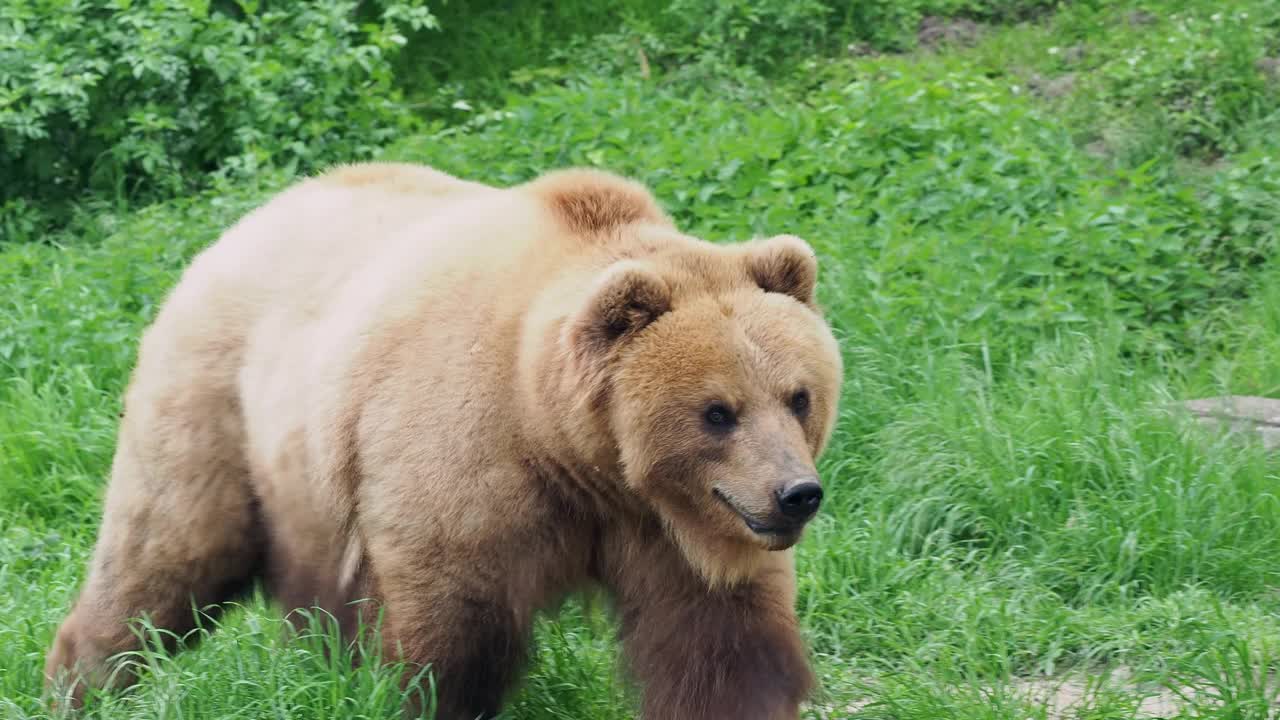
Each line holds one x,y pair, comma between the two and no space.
1071,696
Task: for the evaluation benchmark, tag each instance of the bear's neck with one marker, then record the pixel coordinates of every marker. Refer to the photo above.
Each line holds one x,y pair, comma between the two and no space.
564,407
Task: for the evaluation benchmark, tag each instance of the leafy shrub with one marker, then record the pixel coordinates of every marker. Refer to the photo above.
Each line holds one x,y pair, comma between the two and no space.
963,213
749,32
139,98
473,63
776,35
1189,84
1203,75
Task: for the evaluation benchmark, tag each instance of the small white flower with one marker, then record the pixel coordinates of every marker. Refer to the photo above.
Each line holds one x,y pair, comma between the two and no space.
1053,51
1216,17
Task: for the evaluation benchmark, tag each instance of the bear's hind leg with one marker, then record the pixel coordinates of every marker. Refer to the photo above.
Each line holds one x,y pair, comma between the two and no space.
180,531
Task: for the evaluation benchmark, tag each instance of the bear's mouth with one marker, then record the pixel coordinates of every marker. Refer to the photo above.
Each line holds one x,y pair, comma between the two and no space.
752,523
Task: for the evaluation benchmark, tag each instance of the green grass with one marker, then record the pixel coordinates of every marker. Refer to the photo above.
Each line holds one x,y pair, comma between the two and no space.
1010,495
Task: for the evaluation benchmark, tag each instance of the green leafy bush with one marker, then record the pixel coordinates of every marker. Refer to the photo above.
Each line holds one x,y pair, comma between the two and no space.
721,40
140,98
750,32
1195,79
1170,82
963,211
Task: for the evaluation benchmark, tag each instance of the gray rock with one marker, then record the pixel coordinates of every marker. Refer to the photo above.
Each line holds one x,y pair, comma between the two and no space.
1140,18
1098,149
1074,54
935,31
1241,414
1270,67
1051,88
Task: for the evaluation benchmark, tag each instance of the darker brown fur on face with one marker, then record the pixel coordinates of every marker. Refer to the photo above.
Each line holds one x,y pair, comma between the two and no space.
748,352
457,405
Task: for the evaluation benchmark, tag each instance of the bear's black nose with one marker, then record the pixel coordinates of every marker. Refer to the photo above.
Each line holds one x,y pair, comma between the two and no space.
800,500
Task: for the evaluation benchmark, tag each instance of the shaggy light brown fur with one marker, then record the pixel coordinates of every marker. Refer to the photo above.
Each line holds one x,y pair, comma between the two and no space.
465,403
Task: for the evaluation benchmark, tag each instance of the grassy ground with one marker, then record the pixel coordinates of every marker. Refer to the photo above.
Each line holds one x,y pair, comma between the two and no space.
1033,241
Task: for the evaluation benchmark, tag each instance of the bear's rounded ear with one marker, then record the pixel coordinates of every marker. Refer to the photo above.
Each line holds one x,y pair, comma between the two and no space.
784,264
627,297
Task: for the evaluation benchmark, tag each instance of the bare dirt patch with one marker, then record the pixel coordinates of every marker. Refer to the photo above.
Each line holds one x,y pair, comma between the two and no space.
1072,695
1141,18
1052,88
1065,697
937,31
1270,68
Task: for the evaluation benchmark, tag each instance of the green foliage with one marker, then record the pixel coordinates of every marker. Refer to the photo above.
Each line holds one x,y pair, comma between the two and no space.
1069,463
471,61
1012,235
741,31
142,98
1159,81
461,68
1192,80
776,34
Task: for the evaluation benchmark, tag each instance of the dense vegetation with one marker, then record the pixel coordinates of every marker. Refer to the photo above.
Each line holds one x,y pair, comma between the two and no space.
1040,226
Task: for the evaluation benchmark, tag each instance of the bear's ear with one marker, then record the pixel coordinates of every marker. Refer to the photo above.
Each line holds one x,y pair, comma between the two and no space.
784,264
591,201
627,297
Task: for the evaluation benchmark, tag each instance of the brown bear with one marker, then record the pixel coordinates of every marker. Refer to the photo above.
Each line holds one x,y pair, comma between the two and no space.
461,403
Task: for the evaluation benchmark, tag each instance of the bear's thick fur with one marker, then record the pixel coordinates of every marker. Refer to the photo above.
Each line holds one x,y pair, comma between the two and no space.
463,403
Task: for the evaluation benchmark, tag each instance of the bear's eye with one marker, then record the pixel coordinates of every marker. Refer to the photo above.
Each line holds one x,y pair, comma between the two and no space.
719,417
800,403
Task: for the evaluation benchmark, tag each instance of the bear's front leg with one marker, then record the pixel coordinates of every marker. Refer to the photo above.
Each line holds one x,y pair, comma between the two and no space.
458,622
705,653
460,574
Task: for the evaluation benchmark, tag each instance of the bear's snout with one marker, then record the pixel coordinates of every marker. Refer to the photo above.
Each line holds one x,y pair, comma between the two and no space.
798,500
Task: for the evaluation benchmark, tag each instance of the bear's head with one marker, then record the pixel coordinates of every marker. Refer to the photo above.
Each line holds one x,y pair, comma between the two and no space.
718,381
